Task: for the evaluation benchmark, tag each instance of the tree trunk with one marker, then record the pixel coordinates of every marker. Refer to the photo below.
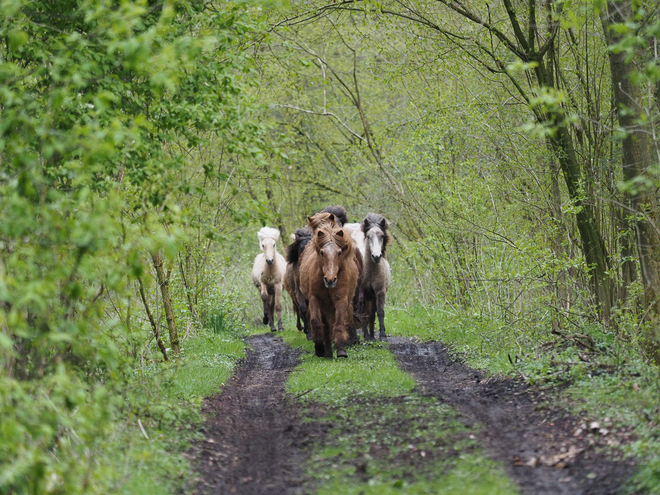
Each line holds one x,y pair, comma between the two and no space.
593,246
637,159
152,321
164,283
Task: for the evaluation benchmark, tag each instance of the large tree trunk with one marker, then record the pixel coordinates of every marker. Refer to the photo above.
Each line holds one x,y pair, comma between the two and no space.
164,283
636,156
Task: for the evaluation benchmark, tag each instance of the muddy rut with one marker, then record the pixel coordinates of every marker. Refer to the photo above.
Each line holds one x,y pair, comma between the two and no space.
254,437
256,442
536,445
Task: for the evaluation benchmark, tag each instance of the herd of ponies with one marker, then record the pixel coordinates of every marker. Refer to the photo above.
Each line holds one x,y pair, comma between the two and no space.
336,274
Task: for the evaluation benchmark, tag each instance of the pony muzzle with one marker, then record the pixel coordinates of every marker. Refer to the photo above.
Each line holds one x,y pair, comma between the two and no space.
330,284
376,259
270,261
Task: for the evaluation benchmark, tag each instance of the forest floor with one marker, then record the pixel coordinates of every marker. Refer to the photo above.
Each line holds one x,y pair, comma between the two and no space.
261,439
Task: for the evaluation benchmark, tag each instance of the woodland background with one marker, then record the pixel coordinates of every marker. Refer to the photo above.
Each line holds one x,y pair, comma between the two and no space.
513,145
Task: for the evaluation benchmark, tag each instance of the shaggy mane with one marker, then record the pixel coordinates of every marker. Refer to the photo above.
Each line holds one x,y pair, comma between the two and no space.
301,238
268,232
339,212
327,234
322,219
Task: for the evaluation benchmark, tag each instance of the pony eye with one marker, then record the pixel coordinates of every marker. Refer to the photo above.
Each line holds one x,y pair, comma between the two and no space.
339,253
321,253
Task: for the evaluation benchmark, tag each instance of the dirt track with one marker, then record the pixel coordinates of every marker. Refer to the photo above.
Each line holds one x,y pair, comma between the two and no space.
517,432
256,442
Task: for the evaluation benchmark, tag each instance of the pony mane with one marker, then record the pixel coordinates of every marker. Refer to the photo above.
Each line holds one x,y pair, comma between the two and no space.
300,240
338,235
322,219
268,232
339,212
377,220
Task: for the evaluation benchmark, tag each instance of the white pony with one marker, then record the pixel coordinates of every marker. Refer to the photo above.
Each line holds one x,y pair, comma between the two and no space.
376,276
268,276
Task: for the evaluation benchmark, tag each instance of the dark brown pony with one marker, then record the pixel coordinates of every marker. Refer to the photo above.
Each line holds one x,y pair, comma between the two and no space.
328,279
292,277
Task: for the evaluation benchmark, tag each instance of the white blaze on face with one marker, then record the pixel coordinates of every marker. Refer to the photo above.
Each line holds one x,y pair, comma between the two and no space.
375,243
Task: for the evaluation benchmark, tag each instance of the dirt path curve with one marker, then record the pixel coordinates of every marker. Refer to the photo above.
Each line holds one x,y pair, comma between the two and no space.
515,431
254,438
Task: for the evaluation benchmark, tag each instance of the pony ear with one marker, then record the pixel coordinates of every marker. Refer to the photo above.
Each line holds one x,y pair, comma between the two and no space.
309,219
340,233
321,233
332,217
383,224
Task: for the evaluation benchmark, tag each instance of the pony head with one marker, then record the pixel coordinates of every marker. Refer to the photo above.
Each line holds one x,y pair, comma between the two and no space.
322,219
334,247
267,238
375,228
341,217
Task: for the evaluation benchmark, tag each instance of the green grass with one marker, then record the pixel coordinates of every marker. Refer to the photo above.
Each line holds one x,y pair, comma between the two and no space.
168,400
208,361
370,370
403,445
471,475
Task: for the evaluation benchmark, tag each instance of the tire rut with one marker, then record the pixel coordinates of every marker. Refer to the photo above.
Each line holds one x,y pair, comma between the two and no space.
254,437
515,430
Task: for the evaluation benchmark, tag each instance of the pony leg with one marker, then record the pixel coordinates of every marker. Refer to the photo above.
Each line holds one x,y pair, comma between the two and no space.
366,319
372,320
271,312
316,322
278,306
302,304
380,309
327,340
264,298
339,333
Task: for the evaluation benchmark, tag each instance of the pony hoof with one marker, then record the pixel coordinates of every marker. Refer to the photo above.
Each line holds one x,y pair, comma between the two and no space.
309,336
319,350
273,329
383,336
265,320
341,353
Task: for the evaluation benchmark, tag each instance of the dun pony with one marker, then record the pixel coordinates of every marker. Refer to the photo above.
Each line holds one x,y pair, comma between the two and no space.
268,274
328,279
376,276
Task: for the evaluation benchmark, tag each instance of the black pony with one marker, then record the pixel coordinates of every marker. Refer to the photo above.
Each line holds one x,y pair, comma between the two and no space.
292,276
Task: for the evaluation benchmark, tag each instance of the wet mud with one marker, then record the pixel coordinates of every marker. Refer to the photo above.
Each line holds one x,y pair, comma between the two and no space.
254,438
257,438
535,441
